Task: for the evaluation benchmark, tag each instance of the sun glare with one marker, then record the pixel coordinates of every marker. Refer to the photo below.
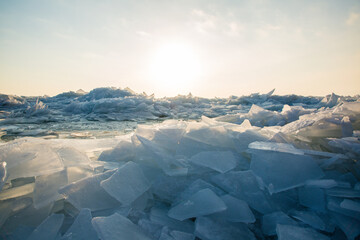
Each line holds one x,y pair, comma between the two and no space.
174,68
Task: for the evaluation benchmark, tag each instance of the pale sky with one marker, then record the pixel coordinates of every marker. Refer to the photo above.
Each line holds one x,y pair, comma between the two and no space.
217,48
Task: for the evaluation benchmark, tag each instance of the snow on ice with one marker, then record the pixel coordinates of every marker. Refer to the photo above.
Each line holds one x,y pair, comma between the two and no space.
113,164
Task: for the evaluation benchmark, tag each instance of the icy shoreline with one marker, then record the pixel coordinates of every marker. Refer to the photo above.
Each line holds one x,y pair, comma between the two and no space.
264,170
119,110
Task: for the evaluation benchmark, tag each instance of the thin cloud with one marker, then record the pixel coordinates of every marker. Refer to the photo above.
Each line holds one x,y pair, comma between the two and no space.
143,33
204,22
234,29
353,18
64,36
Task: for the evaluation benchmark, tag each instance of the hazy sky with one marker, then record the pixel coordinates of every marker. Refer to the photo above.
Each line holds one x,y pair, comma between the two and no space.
309,47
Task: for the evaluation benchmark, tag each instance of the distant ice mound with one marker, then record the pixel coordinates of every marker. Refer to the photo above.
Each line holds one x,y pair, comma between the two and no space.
249,173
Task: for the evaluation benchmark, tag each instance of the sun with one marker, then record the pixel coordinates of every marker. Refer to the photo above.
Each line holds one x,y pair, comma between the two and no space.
174,69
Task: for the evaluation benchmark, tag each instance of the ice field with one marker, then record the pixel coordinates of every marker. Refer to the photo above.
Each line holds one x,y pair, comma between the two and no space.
114,164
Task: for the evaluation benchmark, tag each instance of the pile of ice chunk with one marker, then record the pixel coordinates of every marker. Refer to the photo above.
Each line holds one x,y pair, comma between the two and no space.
179,180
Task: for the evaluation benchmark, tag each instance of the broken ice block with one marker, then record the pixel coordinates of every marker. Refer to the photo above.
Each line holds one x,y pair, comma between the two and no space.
346,127
243,185
127,183
343,192
10,207
277,147
17,191
117,227
124,151
269,221
196,186
167,162
47,186
334,204
221,161
24,213
72,157
150,228
159,215
213,229
33,159
312,197
166,234
177,235
82,228
5,211
322,183
3,174
87,193
203,202
351,205
76,173
280,171
310,218
237,210
350,226
168,188
286,232
22,232
215,135
48,229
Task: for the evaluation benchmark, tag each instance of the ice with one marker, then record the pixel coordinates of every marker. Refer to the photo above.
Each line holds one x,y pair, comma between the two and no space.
24,213
115,163
212,135
3,174
22,232
10,207
166,234
204,202
334,204
343,192
150,228
168,188
170,165
310,218
31,158
286,232
312,197
269,222
160,216
124,151
244,186
322,183
47,186
348,225
177,235
280,171
48,229
346,127
82,228
76,173
126,184
237,210
87,193
117,227
278,147
350,205
196,186
72,157
211,229
17,191
219,161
